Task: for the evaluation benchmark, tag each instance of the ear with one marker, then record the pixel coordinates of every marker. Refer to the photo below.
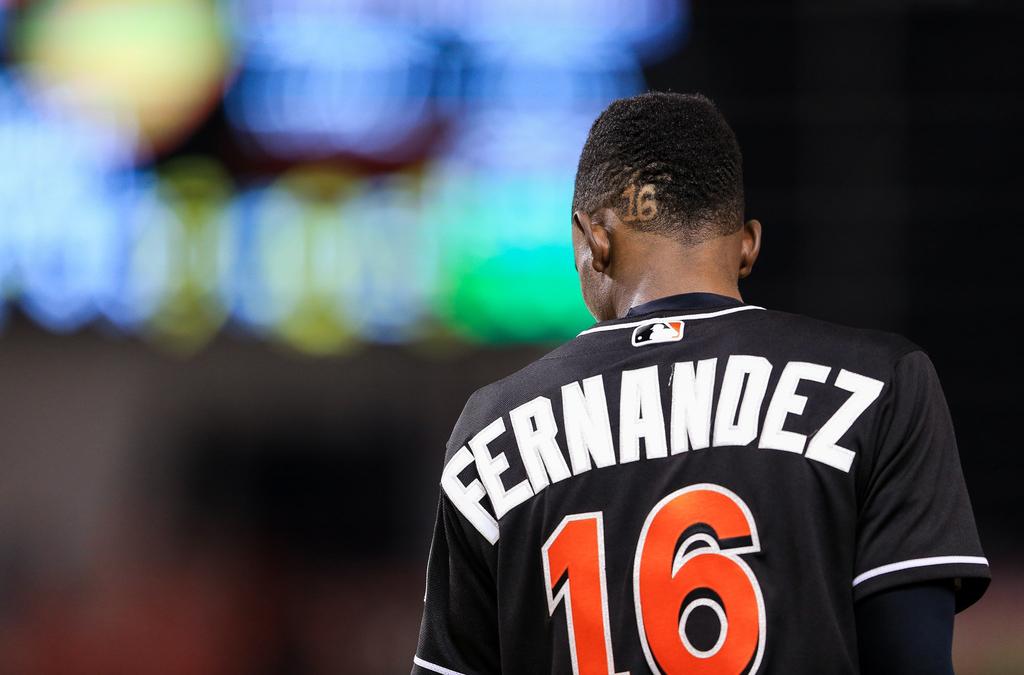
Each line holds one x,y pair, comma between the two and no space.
598,240
750,247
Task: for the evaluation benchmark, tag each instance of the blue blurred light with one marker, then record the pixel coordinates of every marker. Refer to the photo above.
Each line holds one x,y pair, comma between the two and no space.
56,194
388,297
296,256
140,276
531,106
63,257
315,83
255,301
365,77
646,27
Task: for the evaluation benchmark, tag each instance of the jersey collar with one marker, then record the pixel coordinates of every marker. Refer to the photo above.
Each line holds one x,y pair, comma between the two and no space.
683,302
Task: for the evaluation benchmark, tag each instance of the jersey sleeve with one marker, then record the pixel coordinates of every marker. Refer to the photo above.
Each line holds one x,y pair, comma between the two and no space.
459,631
915,522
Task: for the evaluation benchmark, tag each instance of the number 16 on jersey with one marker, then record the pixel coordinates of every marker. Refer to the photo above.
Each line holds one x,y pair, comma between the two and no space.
687,557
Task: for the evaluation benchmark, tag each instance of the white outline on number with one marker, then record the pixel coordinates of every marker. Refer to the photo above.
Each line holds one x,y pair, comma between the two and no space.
565,594
733,553
723,630
684,553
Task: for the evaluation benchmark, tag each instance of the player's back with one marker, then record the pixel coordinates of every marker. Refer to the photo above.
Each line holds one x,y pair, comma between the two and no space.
704,487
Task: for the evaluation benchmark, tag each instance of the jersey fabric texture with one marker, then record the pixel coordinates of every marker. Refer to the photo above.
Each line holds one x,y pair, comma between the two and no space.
700,486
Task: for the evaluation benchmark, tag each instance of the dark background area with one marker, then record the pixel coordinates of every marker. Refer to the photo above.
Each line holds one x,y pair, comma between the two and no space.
251,510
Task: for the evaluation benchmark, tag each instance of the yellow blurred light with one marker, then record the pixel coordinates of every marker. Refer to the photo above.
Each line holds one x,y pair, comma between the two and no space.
195,251
156,65
306,258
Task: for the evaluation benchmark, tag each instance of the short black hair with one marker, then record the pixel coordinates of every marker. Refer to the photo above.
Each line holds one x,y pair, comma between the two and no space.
666,163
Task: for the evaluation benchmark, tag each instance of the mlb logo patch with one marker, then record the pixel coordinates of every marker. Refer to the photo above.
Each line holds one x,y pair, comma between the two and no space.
657,332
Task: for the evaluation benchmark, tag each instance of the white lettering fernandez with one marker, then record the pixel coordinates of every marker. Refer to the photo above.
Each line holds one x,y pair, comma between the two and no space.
786,402
491,468
466,498
693,388
534,426
640,415
739,404
823,447
586,430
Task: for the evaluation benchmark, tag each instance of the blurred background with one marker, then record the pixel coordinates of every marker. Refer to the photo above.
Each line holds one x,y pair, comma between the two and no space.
255,255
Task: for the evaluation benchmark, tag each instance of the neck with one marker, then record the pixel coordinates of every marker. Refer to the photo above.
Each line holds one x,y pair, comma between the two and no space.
663,267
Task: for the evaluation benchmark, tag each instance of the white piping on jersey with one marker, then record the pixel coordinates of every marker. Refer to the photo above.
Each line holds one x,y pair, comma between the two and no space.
920,562
682,317
434,667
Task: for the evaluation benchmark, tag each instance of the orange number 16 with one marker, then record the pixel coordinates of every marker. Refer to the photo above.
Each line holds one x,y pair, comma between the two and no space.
680,565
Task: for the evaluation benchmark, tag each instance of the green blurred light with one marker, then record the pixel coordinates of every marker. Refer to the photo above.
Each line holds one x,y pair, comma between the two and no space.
506,262
519,296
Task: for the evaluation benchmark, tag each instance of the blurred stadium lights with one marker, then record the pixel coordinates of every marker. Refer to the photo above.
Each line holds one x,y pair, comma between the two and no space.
504,255
199,252
530,106
158,65
315,83
484,105
647,27
58,196
390,295
298,261
138,280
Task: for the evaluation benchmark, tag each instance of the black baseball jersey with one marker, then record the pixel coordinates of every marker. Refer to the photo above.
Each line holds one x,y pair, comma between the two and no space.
702,486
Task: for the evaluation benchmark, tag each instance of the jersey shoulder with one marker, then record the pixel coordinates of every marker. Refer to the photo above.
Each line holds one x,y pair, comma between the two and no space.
492,400
800,330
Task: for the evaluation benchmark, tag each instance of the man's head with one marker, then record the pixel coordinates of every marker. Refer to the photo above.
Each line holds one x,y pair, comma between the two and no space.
659,180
